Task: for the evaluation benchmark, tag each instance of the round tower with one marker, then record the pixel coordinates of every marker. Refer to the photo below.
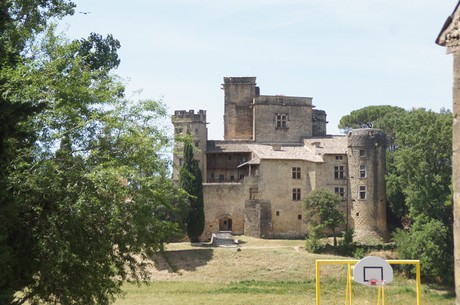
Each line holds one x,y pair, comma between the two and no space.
319,122
367,168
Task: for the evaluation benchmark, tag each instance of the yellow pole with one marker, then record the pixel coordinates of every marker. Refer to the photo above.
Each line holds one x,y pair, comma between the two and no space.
348,289
317,283
351,283
354,261
417,277
383,295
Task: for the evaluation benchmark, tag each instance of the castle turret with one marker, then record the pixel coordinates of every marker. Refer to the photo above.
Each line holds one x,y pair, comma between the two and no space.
319,123
238,118
367,166
189,122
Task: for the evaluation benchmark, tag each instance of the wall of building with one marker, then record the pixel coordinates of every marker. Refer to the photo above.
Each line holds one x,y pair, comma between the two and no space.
298,124
225,200
189,122
258,219
276,185
239,93
367,147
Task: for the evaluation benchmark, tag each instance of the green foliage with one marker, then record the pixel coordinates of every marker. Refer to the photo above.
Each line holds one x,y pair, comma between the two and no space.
313,243
427,240
346,245
190,180
85,194
371,117
418,180
421,166
322,208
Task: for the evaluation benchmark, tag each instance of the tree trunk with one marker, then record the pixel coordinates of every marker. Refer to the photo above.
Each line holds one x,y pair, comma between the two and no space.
456,171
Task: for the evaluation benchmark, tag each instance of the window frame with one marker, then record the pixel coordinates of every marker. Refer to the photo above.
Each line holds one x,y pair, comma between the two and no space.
296,173
339,172
362,171
362,189
281,120
340,190
296,194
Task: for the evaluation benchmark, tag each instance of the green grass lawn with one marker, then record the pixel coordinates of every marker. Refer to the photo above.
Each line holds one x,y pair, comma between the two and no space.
265,272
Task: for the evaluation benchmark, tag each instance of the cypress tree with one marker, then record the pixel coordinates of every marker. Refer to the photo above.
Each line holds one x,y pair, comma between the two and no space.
190,180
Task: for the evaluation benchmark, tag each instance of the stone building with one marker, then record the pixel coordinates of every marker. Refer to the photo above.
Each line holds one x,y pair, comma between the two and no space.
449,37
275,151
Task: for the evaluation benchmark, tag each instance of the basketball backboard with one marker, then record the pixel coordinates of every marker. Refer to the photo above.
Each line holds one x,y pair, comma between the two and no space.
373,271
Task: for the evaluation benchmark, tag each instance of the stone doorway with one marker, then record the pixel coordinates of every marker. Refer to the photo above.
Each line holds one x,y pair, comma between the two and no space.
225,223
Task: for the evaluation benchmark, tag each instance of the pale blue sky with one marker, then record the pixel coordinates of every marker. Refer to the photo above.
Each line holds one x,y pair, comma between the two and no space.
346,54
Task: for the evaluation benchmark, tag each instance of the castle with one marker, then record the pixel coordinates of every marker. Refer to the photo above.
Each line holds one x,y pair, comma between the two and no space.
275,151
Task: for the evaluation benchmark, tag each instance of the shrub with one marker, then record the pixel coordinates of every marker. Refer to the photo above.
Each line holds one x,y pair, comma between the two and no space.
427,241
313,243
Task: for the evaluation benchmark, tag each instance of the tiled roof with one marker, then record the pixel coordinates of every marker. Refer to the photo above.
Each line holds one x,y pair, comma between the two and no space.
327,145
227,146
280,152
312,151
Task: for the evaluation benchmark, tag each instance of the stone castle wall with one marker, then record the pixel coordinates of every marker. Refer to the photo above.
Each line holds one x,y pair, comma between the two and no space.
239,93
367,147
298,112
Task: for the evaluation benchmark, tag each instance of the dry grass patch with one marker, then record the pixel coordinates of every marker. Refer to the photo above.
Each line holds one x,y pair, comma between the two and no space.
269,272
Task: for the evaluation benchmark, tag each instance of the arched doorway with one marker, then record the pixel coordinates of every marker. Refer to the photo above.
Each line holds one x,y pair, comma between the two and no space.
225,223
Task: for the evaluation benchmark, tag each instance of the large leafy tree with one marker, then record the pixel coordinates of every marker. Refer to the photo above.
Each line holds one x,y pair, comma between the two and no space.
418,179
322,208
384,117
85,189
190,180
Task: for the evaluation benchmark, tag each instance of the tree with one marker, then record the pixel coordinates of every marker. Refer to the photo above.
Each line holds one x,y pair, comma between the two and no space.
86,194
368,117
428,241
418,178
383,117
322,207
190,180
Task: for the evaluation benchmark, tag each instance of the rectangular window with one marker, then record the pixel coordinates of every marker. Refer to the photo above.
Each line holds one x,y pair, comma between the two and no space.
253,193
296,194
362,171
281,120
339,157
340,191
362,192
362,152
296,173
299,217
339,172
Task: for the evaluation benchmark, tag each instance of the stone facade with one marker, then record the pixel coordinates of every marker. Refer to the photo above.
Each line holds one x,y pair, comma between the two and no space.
275,151
449,37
